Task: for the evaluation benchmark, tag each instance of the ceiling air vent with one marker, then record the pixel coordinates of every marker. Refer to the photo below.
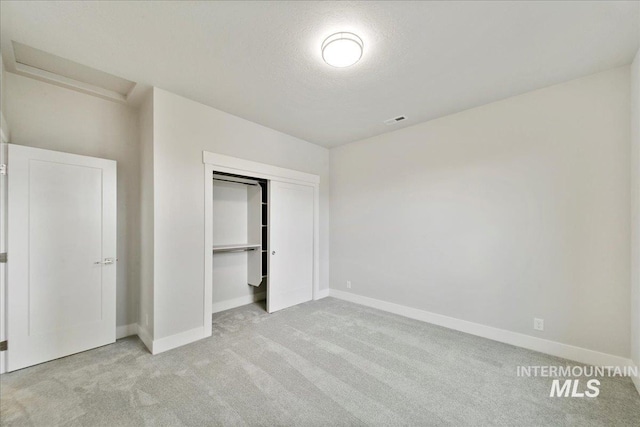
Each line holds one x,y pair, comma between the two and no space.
394,120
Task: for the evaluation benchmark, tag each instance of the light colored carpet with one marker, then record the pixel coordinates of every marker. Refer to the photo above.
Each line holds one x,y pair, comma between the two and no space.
327,362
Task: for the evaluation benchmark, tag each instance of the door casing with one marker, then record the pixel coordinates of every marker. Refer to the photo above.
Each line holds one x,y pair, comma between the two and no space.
233,165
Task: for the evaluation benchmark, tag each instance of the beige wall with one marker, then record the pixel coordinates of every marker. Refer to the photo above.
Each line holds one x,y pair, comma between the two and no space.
499,214
182,130
46,116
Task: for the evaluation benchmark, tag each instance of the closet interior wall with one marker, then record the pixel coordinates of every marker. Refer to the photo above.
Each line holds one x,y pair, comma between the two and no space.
240,236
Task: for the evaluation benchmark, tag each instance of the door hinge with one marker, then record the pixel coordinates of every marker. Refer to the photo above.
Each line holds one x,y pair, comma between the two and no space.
3,345
3,169
3,258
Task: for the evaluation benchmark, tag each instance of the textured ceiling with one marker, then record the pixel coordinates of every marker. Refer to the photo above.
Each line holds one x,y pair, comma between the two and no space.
261,60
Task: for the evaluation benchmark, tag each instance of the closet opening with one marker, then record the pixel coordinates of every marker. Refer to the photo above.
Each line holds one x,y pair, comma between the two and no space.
240,241
261,236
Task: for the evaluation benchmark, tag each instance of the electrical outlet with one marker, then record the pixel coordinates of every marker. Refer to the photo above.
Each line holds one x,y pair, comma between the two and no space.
538,324
348,284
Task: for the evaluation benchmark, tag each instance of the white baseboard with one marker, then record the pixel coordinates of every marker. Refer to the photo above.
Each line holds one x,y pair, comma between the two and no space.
145,337
322,293
126,330
217,307
177,340
553,348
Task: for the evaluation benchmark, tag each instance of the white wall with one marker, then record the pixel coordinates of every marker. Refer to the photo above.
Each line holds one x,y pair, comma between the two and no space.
182,130
145,320
499,214
47,116
3,123
635,209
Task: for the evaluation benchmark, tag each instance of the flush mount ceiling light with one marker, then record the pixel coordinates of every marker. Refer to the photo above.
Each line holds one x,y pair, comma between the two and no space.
342,49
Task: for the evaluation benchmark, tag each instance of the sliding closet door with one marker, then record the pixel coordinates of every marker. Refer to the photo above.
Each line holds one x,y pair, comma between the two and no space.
291,245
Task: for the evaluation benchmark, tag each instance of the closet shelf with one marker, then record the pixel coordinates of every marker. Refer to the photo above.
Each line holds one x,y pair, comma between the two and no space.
237,248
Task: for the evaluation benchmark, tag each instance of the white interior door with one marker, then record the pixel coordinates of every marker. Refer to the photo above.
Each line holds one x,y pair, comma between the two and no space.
291,245
3,248
62,249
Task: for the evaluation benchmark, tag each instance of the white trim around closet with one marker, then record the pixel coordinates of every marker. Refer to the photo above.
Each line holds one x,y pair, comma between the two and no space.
233,165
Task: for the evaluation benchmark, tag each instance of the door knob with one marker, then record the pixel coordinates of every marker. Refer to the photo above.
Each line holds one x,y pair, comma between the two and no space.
273,252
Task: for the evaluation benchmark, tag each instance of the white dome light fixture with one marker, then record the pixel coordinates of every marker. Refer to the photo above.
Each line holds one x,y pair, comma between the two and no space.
342,49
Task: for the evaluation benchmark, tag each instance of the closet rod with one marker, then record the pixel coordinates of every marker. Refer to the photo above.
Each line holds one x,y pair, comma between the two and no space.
235,182
233,250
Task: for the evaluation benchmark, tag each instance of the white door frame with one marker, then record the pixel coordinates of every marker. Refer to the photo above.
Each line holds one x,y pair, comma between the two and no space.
4,148
221,163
